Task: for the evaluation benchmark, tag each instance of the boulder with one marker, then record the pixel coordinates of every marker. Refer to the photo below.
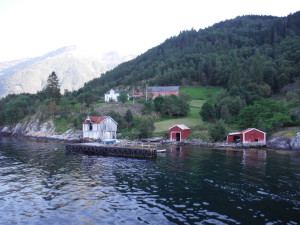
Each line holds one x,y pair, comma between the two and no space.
295,142
279,143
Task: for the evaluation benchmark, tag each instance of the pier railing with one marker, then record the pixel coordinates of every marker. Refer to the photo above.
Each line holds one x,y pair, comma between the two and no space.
143,145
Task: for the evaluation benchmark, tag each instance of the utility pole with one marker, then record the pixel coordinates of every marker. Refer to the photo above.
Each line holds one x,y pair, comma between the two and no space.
146,92
133,95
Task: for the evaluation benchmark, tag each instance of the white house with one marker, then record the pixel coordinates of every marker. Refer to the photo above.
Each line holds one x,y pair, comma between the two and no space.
99,127
112,95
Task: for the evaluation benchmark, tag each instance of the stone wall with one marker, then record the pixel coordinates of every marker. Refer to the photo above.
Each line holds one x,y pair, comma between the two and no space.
121,108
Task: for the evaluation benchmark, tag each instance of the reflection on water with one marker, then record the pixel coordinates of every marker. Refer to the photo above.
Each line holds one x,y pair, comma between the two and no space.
41,184
255,158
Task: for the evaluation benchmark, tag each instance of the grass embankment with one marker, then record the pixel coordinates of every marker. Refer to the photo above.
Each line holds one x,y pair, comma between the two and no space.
198,96
287,132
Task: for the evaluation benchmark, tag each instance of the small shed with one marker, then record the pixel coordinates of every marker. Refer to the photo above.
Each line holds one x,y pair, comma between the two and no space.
250,135
179,132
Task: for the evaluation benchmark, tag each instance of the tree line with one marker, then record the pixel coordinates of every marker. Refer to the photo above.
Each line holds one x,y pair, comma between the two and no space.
253,57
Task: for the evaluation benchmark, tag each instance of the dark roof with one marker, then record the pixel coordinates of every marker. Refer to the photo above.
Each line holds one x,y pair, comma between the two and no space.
163,88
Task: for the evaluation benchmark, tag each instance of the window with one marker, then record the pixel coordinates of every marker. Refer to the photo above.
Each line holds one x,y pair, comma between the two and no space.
91,127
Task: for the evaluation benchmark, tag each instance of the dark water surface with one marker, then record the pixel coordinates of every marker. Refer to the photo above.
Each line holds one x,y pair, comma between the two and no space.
41,184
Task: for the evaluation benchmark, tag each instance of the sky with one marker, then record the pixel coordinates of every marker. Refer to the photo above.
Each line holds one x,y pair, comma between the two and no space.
31,28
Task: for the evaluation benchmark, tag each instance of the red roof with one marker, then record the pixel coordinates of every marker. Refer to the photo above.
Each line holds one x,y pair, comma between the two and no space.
95,119
138,93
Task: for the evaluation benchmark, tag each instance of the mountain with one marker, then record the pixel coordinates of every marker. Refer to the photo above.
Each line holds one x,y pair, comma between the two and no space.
259,53
72,65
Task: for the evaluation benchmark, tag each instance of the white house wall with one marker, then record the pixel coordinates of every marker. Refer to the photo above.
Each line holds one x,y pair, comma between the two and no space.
111,96
107,129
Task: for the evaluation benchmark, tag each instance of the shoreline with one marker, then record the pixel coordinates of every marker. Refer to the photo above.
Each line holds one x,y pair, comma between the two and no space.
164,142
43,138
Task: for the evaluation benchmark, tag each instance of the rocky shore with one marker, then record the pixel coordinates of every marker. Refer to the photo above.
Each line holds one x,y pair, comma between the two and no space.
45,131
34,129
276,143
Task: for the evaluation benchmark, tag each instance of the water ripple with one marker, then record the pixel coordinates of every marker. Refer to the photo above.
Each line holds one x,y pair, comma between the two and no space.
186,186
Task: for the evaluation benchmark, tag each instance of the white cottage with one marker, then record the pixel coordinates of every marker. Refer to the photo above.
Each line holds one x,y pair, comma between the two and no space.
111,95
99,127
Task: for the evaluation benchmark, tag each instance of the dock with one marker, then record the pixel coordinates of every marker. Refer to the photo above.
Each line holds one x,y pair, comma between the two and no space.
129,149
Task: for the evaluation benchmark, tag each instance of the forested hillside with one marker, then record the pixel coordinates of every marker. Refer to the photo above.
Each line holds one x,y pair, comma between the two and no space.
252,57
257,52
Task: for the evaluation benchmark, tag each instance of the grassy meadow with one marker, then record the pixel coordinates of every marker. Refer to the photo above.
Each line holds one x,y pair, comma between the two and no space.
198,96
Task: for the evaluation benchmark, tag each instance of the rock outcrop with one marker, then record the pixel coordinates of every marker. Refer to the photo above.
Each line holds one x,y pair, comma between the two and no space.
37,130
295,142
283,143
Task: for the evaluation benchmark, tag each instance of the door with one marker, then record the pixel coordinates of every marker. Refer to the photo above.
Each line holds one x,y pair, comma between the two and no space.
178,135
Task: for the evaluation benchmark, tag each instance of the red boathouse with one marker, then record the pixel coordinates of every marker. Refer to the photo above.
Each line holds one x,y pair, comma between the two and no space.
179,132
250,135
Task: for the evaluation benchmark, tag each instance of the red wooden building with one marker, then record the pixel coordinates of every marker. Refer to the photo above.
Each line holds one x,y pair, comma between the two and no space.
163,91
250,135
179,132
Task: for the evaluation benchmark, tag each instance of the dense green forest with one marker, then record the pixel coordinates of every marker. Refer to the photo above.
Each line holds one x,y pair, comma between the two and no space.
250,51
253,57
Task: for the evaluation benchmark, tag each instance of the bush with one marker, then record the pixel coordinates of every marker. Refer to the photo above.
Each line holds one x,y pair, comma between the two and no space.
208,112
146,127
267,115
218,131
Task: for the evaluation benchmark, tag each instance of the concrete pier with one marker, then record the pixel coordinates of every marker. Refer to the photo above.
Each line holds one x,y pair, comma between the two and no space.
110,150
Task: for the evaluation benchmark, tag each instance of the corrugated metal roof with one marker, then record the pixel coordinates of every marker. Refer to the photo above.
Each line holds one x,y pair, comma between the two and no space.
249,129
163,88
181,126
245,131
235,133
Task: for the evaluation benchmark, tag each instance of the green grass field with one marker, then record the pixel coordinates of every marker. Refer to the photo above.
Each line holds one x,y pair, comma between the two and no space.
198,96
204,93
163,126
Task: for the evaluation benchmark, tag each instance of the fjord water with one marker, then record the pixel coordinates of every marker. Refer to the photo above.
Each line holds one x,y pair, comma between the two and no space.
41,184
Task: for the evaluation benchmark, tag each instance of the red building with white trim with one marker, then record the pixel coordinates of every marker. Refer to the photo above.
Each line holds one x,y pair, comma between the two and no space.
250,135
179,132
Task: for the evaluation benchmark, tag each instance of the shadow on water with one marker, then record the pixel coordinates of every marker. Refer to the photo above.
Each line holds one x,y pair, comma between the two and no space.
186,185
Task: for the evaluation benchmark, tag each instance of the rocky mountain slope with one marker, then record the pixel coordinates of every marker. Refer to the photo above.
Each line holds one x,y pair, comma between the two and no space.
72,65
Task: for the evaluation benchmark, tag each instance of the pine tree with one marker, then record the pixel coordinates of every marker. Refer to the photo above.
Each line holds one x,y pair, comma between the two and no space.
52,89
235,77
257,68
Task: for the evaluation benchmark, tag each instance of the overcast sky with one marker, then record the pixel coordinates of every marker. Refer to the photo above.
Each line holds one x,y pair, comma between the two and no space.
33,27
